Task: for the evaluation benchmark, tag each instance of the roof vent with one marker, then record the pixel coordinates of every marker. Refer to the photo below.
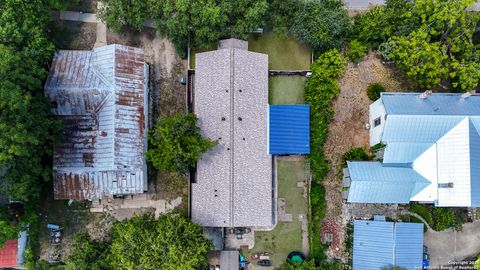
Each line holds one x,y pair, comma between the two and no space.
445,185
103,133
223,118
425,94
239,118
466,95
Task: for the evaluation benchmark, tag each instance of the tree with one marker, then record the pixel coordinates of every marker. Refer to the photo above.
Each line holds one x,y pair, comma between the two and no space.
176,143
88,254
431,41
171,242
120,13
27,132
281,14
200,22
245,16
323,25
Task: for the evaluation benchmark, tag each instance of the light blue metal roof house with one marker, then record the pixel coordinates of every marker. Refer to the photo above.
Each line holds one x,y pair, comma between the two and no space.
378,244
289,129
432,152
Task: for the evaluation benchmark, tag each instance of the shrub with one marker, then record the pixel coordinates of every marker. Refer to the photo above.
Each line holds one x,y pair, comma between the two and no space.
356,51
357,153
374,90
181,51
318,206
444,218
422,211
320,90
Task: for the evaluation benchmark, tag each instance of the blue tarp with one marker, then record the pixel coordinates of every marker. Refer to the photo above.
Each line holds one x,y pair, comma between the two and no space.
289,129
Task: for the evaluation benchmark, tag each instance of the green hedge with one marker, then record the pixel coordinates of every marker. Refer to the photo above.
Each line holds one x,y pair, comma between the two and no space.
320,90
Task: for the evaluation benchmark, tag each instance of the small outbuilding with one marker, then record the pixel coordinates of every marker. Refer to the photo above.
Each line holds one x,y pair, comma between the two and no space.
378,244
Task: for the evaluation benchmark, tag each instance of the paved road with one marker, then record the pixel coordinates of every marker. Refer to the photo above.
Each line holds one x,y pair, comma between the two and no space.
365,4
449,245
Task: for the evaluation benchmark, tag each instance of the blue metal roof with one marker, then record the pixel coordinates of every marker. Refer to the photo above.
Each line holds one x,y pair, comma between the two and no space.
418,128
377,244
408,245
403,152
434,104
371,182
289,129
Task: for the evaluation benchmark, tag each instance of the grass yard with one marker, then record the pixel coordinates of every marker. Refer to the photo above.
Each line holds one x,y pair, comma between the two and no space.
287,236
286,89
284,53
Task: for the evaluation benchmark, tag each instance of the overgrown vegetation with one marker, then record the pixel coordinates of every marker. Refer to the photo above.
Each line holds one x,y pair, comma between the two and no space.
170,242
440,218
200,23
431,41
444,218
422,211
356,51
176,143
323,25
356,153
320,90
374,90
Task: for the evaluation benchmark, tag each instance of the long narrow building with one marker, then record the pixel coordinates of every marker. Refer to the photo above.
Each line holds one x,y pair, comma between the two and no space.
233,184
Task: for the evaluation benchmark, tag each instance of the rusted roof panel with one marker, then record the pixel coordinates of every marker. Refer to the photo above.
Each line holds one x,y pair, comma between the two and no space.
100,96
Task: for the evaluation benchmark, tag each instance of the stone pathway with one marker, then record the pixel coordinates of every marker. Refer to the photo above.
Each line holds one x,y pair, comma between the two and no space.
136,204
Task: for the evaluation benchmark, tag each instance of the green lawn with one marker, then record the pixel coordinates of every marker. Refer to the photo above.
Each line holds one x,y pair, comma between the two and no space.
284,53
287,236
286,89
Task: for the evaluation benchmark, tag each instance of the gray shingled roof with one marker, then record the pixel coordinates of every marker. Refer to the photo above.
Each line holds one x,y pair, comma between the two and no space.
234,181
101,97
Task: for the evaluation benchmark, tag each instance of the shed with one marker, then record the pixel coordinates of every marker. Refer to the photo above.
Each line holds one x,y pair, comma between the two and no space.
289,128
12,253
229,260
378,244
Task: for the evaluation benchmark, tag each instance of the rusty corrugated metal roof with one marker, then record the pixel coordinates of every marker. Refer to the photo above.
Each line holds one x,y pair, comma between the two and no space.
100,97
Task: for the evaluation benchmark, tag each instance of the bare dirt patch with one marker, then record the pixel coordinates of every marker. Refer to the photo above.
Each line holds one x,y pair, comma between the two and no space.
347,130
72,35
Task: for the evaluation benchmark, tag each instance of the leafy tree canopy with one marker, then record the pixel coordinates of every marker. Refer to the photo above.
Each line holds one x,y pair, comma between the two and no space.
171,242
26,131
323,25
88,254
176,143
142,242
431,41
120,13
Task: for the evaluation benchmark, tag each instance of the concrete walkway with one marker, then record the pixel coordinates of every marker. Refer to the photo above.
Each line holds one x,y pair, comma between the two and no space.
449,245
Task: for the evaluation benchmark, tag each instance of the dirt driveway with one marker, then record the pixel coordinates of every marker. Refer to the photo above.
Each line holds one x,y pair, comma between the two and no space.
347,130
450,246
